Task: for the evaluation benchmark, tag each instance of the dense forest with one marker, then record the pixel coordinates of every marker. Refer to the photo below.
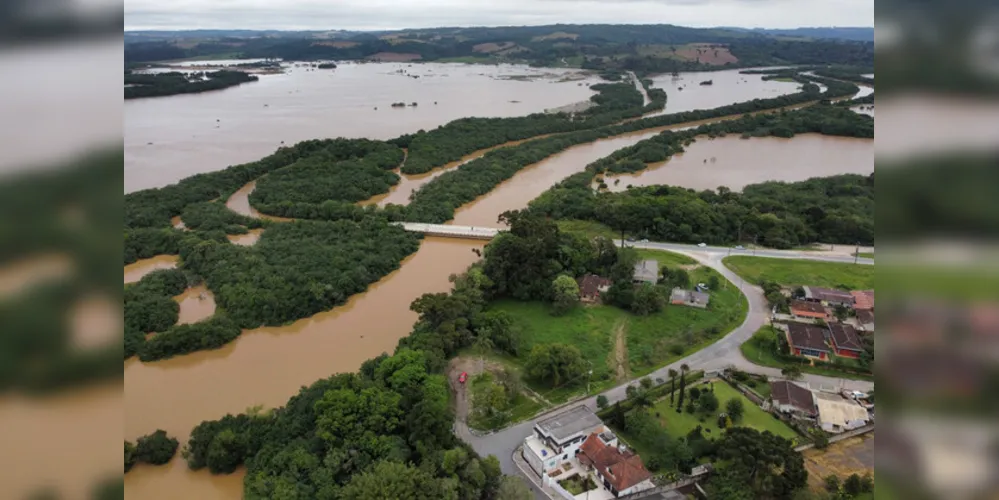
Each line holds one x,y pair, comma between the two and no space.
837,209
642,48
437,200
163,84
149,306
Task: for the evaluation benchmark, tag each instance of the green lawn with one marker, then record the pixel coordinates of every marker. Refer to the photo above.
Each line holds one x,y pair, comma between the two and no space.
520,407
865,255
764,356
680,424
802,272
651,341
588,228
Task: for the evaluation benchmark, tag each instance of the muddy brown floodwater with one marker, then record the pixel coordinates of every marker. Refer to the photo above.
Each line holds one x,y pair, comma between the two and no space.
196,303
170,138
728,87
734,162
136,270
266,366
248,239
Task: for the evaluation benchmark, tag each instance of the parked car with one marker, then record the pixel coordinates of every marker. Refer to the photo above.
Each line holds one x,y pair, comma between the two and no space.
644,240
740,247
702,245
631,240
463,377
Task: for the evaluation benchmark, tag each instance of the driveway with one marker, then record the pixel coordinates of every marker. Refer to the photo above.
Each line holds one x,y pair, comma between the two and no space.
722,354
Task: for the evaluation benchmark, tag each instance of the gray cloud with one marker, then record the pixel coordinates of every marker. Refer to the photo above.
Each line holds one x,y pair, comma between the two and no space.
397,14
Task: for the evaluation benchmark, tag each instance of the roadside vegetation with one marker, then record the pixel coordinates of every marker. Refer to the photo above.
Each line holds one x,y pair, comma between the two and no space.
799,272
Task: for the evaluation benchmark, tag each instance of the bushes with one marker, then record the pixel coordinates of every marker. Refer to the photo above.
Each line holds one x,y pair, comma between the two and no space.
155,449
148,306
182,339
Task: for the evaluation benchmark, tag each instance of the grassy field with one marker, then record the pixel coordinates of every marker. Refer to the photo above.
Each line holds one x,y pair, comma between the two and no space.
865,255
764,356
520,406
850,456
649,341
588,228
802,272
679,424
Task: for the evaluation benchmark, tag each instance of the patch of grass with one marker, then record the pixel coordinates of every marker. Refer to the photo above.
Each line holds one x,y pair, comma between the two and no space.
865,255
761,355
678,331
666,258
519,407
587,228
680,424
577,484
802,272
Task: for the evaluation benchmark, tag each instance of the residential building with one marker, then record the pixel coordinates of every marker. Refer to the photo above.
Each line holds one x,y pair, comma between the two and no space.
828,296
845,340
646,271
558,437
863,300
591,286
620,470
837,414
808,311
807,340
792,398
865,320
691,298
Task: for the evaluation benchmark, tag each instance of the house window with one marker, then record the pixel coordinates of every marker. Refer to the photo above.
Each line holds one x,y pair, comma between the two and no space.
812,352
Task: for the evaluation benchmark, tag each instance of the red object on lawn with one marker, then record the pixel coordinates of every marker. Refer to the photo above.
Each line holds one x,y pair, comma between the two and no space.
463,377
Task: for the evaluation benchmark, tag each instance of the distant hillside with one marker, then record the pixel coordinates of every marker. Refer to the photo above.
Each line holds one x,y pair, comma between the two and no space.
835,33
642,48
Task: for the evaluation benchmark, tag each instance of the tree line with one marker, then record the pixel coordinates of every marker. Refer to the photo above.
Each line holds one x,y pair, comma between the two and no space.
149,306
837,209
163,84
154,449
436,201
450,142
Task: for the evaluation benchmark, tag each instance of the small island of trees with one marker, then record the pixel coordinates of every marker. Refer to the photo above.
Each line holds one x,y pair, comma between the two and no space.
164,84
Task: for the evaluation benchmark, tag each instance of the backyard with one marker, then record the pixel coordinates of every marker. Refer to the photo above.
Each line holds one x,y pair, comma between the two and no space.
620,345
680,424
760,349
578,484
790,272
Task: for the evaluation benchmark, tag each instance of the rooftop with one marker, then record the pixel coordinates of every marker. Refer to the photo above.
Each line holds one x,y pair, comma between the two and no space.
623,469
864,316
788,393
591,284
845,337
834,409
569,422
863,299
537,446
647,270
827,294
806,336
805,308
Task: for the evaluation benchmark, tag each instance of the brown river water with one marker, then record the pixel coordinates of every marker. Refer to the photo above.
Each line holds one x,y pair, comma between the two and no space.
136,270
266,366
170,138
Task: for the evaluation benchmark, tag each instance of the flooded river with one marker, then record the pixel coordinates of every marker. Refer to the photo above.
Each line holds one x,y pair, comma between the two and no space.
734,162
136,270
169,138
727,87
268,365
196,303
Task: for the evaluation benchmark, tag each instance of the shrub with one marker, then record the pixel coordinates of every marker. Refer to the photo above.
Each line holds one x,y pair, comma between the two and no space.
601,401
831,484
156,448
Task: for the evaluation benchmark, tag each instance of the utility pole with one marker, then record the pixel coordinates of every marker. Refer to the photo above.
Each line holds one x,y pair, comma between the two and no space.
856,253
756,237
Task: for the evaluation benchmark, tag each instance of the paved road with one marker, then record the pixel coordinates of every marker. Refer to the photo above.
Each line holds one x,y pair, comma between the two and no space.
723,353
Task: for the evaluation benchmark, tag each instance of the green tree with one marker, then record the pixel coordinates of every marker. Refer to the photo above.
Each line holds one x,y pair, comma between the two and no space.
556,364
513,488
565,294
707,402
694,393
713,282
831,483
129,456
389,479
672,384
156,448
766,465
646,383
601,401
853,485
648,299
735,409
791,372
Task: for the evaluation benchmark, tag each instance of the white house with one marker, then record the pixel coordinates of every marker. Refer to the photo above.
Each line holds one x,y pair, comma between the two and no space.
836,414
557,438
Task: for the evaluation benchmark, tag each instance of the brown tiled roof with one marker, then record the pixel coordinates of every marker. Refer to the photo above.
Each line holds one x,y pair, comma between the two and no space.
590,284
787,393
865,316
805,336
622,470
863,299
845,337
804,308
828,294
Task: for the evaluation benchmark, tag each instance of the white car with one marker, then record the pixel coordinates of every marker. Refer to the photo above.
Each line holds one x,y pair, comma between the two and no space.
644,241
740,247
702,245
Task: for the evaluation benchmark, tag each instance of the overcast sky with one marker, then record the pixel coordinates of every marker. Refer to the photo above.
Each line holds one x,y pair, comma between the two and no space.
398,14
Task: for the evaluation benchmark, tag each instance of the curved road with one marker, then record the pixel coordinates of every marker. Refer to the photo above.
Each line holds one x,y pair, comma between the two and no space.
723,353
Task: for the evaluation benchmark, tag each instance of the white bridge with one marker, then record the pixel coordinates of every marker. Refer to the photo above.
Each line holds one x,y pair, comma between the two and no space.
464,232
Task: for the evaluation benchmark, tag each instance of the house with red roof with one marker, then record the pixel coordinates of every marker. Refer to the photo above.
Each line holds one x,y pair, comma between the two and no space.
808,340
845,341
863,300
619,470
